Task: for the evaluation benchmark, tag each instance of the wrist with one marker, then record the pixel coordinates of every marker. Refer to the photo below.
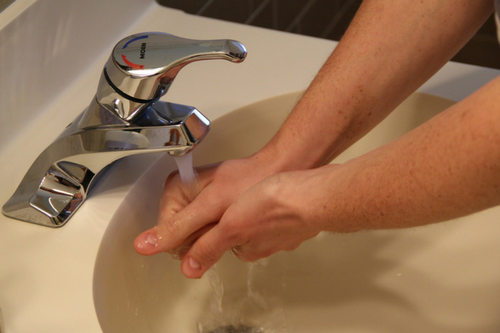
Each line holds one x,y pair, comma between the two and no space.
279,159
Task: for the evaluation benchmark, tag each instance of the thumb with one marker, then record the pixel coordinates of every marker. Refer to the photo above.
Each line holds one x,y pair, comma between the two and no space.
179,229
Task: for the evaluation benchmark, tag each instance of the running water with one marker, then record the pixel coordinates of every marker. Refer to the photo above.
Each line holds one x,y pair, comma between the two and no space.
188,174
271,317
218,293
252,292
246,310
191,188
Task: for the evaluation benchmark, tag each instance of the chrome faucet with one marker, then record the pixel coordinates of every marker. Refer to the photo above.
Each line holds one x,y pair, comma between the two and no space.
124,118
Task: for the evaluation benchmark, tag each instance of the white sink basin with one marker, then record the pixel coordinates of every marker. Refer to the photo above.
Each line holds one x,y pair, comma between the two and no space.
440,278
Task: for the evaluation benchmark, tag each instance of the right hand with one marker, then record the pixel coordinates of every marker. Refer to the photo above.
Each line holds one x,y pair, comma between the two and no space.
183,218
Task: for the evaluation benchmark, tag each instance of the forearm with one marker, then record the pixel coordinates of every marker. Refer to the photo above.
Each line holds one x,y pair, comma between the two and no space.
447,168
389,50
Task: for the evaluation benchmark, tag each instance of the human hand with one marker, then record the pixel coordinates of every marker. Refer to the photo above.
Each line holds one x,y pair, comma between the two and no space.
185,216
278,213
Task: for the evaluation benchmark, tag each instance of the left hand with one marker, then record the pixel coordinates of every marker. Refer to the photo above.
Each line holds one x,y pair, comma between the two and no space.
278,213
186,215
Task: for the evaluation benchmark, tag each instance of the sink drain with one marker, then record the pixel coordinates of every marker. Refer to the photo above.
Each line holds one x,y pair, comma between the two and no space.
239,329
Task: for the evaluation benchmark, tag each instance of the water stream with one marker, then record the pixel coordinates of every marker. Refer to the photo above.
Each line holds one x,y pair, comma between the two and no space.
253,301
188,174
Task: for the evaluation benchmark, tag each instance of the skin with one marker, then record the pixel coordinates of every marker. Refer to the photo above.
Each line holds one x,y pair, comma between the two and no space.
286,193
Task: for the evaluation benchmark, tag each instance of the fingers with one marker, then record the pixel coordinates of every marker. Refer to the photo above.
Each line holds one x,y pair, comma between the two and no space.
179,229
206,251
211,246
185,221
256,226
179,218
232,233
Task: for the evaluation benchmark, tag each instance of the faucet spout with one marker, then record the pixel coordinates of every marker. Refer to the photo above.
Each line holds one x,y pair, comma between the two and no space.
124,118
61,177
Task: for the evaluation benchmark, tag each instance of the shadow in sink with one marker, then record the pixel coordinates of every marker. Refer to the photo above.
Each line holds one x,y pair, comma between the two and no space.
440,278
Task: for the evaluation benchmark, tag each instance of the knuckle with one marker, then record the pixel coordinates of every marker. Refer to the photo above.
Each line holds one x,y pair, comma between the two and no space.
169,230
172,226
172,177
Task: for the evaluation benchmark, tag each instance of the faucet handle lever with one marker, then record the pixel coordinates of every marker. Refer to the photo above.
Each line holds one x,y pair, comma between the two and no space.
143,66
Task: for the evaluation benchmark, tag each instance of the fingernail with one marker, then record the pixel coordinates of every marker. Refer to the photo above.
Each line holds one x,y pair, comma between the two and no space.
194,264
147,241
152,239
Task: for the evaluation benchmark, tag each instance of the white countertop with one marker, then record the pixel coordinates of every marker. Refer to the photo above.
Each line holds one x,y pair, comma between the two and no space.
46,274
